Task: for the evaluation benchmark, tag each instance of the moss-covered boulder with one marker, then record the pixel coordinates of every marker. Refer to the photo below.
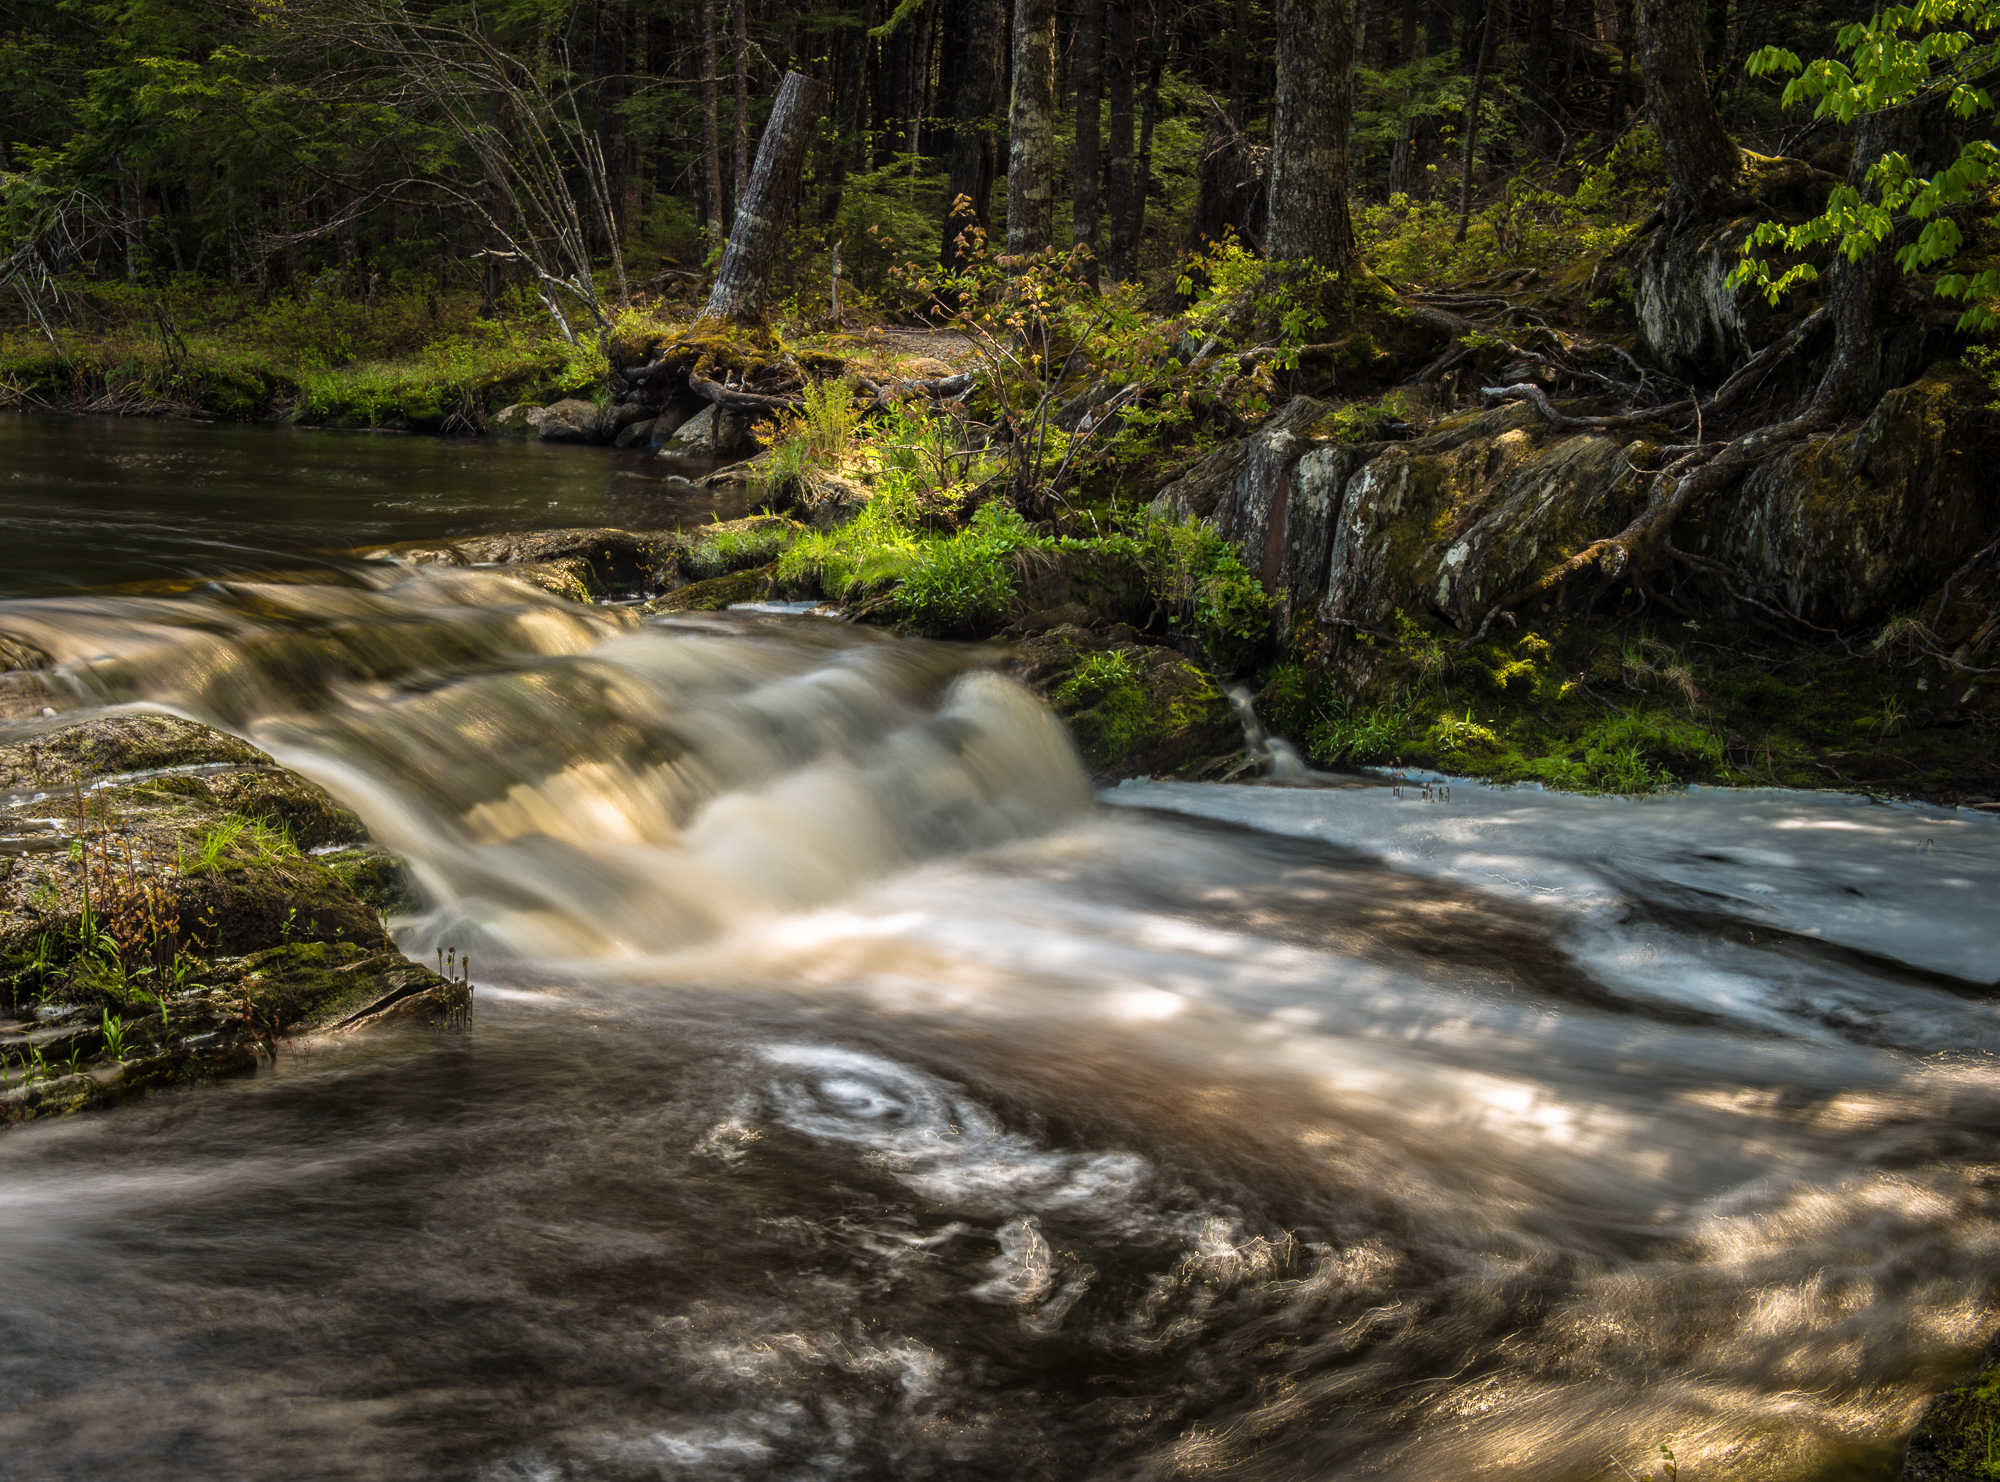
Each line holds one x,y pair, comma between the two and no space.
717,592
1846,529
1959,1437
160,920
1135,709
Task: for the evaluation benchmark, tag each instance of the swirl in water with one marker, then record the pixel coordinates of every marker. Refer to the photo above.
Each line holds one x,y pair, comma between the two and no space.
930,1138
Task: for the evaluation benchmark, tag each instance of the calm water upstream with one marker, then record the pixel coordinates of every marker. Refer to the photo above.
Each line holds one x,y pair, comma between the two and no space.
852,1094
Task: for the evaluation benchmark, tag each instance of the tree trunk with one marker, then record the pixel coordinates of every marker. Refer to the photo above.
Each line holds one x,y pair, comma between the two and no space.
1702,160
1314,106
853,109
1239,61
1472,116
742,150
711,133
610,97
1142,183
738,295
1031,129
970,192
1089,164
1120,174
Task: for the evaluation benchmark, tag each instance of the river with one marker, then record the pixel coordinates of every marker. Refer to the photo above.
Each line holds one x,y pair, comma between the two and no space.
852,1092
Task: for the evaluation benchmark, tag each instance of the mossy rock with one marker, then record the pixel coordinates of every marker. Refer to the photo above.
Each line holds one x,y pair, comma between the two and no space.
305,810
375,876
224,1025
319,988
727,546
718,592
1959,1436
1848,528
111,745
1135,709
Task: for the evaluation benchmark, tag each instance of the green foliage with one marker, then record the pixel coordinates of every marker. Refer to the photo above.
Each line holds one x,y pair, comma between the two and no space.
1902,56
820,434
960,582
1201,581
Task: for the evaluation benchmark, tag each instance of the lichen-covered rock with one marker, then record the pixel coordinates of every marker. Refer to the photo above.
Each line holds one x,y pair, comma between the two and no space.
1692,318
518,420
1397,511
1134,709
1551,506
1845,529
570,421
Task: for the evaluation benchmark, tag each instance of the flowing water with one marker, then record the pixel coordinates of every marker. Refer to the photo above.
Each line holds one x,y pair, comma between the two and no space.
852,1094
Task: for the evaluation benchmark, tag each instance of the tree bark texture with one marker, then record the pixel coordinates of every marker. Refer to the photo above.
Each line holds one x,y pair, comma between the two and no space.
1315,103
1031,132
978,96
1120,174
1702,160
742,150
1089,161
711,133
738,295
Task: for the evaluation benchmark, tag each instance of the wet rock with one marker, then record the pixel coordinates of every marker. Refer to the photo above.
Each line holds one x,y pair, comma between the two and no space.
1846,529
108,745
577,563
306,811
632,434
1134,709
570,421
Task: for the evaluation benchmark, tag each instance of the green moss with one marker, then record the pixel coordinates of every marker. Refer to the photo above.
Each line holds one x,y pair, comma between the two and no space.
717,592
375,876
1133,708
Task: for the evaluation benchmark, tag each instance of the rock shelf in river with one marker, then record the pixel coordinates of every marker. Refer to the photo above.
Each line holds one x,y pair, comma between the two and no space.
172,904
